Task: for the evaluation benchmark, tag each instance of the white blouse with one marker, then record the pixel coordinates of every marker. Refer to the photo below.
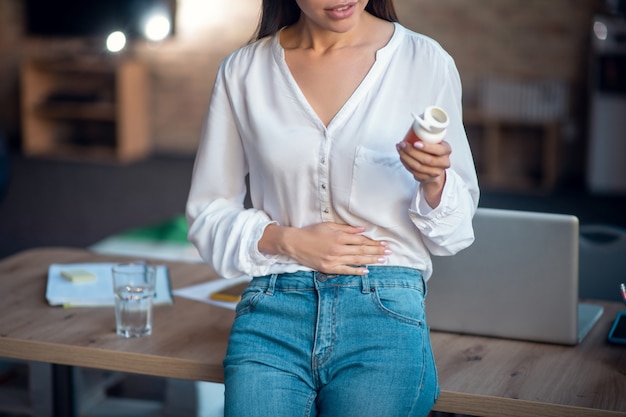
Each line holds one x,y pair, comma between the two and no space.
302,172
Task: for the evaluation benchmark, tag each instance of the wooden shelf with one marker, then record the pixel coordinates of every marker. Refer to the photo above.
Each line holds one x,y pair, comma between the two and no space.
77,111
493,173
80,64
71,105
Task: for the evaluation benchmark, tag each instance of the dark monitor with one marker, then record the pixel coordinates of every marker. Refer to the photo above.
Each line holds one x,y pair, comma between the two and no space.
92,18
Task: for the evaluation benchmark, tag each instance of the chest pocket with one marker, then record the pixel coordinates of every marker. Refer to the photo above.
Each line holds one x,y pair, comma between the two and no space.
381,189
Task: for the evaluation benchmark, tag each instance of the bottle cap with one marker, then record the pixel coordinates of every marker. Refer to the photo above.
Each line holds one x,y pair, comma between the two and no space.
431,125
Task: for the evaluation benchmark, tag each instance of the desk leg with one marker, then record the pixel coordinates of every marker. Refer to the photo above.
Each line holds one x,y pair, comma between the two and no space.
64,400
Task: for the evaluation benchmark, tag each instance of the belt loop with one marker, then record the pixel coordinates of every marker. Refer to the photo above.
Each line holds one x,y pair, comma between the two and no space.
365,283
424,285
271,285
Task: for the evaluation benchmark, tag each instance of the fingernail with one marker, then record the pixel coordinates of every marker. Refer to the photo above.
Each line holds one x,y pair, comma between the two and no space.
401,145
382,260
384,243
387,252
366,271
418,145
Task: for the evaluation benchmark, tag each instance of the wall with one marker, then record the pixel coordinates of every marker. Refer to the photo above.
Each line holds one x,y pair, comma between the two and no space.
517,38
185,67
531,38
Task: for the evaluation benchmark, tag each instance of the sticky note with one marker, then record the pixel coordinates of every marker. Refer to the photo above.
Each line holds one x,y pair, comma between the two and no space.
78,275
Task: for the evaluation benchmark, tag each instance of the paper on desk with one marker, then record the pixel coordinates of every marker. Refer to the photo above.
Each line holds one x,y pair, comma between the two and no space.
201,292
98,293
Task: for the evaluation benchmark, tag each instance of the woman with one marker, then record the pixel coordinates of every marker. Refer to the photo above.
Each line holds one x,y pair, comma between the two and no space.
345,214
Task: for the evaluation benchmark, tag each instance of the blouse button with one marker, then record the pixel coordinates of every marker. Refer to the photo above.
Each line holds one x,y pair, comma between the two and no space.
326,211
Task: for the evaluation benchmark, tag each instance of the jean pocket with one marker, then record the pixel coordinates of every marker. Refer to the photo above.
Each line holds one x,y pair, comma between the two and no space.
404,304
249,300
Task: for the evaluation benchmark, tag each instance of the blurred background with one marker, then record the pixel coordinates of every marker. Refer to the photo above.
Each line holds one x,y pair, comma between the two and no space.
96,140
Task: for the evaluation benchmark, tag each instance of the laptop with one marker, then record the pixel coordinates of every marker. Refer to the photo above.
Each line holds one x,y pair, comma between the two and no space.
518,280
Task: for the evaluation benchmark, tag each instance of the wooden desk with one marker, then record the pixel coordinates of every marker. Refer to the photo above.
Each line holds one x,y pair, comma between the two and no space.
479,376
188,338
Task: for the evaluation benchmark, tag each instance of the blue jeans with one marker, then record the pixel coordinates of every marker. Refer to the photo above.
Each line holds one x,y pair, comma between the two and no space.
309,344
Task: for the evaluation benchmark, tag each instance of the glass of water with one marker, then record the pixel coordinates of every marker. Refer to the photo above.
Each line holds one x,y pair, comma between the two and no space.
134,287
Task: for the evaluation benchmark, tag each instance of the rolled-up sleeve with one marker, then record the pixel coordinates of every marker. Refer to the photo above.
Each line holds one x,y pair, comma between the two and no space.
446,229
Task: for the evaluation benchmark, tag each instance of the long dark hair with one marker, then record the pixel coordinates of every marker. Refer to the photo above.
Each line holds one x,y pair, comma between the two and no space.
276,14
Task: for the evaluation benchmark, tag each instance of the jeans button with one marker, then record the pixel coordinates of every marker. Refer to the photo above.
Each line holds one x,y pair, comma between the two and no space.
321,277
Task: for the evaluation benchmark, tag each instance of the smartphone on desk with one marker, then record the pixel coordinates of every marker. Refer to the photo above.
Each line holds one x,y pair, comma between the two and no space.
617,334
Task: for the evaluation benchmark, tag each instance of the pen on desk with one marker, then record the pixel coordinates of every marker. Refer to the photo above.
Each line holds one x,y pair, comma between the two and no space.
622,287
224,297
